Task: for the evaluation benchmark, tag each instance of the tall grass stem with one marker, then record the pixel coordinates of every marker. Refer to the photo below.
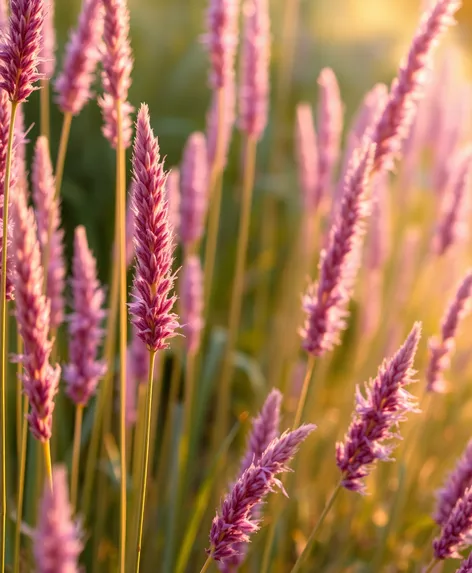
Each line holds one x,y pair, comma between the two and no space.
21,486
44,120
74,479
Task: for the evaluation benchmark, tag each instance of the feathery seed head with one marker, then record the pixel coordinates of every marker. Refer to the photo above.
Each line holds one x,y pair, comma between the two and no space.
456,529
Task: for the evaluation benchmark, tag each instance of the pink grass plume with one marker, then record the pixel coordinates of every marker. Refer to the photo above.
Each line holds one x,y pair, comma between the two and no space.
456,529
117,64
466,565
84,370
193,188
57,544
452,226
191,302
325,303
457,482
409,87
40,379
255,58
46,210
221,40
20,48
82,53
306,153
235,523
47,58
265,429
330,125
441,348
383,405
153,300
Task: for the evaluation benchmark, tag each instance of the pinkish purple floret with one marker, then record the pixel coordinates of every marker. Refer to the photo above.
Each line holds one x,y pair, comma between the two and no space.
385,404
81,58
326,301
19,50
84,371
457,482
153,300
306,148
456,529
409,87
193,189
221,40
47,211
466,566
235,522
255,59
441,349
40,380
116,77
191,299
57,543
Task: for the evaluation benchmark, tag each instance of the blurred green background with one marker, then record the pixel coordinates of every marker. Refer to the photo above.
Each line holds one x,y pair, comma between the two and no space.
362,40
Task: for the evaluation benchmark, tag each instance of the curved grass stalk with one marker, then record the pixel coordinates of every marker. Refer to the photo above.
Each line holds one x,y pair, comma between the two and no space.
3,321
47,462
74,479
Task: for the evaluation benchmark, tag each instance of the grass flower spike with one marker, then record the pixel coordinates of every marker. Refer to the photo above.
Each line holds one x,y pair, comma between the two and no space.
151,308
84,371
456,529
385,404
57,544
33,314
440,349
234,523
46,208
326,301
192,302
306,147
81,58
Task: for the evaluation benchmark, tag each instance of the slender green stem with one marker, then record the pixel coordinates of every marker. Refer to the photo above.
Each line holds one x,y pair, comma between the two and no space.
19,398
61,158
105,390
44,108
206,565
214,192
223,396
304,554
3,320
47,462
21,486
123,312
431,566
306,384
144,468
74,478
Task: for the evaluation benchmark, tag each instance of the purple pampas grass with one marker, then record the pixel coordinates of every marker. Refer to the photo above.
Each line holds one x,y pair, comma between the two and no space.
456,529
456,484
265,428
385,405
84,370
235,523
326,301
47,59
80,60
19,51
408,88
4,128
306,151
330,125
40,379
57,545
440,349
255,58
452,227
46,210
221,40
151,308
193,188
116,77
191,301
